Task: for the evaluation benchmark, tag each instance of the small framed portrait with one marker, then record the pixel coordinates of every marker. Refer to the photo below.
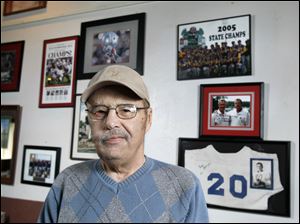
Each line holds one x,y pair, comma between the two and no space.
40,165
10,128
13,7
262,175
118,40
11,65
58,72
234,109
214,48
82,147
242,175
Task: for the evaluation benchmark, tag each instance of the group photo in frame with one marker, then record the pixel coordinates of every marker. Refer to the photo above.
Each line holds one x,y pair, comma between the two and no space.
11,65
233,109
10,129
58,77
40,165
243,175
118,40
14,7
214,48
82,146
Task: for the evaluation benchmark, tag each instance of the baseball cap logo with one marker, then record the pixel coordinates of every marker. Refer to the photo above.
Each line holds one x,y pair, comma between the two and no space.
114,72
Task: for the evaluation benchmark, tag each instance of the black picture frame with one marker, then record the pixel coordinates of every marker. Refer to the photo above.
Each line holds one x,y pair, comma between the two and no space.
251,96
99,45
214,48
10,131
40,165
279,203
82,146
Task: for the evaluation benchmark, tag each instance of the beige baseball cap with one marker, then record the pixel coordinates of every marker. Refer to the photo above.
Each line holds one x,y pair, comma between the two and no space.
117,75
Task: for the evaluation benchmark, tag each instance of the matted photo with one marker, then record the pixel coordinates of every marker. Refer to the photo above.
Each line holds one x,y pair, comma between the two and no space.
250,176
82,147
214,48
11,65
10,127
234,109
58,72
40,165
118,40
262,174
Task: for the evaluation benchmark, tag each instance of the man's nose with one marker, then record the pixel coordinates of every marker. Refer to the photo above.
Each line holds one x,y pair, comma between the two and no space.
112,120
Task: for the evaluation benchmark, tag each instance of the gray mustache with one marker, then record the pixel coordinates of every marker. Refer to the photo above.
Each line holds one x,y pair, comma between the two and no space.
109,134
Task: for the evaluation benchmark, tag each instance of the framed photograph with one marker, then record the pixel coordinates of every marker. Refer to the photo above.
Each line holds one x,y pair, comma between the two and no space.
58,72
13,7
40,165
234,109
11,65
118,40
82,147
214,48
250,176
10,128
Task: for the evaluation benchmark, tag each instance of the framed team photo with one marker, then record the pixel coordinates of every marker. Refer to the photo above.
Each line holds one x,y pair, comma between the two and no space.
118,40
82,147
243,175
58,72
40,165
234,109
10,129
214,48
11,65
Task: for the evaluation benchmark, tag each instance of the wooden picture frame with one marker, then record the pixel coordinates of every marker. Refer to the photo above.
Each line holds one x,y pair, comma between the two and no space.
14,7
10,129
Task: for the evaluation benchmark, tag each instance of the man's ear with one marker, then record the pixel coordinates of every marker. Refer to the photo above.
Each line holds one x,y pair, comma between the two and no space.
149,119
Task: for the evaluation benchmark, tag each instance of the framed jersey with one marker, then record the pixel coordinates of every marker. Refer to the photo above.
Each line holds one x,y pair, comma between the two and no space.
251,176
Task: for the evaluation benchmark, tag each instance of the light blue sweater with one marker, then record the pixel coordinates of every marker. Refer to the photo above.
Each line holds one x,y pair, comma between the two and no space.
157,192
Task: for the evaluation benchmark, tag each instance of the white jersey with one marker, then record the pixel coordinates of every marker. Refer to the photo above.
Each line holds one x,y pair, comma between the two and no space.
228,179
219,119
241,118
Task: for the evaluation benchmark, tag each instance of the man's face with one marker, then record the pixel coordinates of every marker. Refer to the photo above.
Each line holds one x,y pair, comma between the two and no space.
222,106
259,167
122,139
238,105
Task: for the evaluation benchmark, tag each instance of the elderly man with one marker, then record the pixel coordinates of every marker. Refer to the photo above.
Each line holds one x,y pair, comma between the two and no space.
124,185
220,117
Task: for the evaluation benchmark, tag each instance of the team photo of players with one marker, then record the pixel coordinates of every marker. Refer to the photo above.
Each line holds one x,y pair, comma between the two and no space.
59,71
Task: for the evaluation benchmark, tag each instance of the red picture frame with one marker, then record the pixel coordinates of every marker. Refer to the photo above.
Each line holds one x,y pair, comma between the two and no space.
11,65
58,77
246,123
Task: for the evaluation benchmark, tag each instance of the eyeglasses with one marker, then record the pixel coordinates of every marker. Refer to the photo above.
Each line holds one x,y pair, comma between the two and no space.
123,111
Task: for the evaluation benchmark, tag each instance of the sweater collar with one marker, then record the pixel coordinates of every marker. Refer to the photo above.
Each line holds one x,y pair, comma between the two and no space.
116,186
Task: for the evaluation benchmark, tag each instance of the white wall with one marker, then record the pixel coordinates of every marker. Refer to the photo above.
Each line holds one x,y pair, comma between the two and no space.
275,50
